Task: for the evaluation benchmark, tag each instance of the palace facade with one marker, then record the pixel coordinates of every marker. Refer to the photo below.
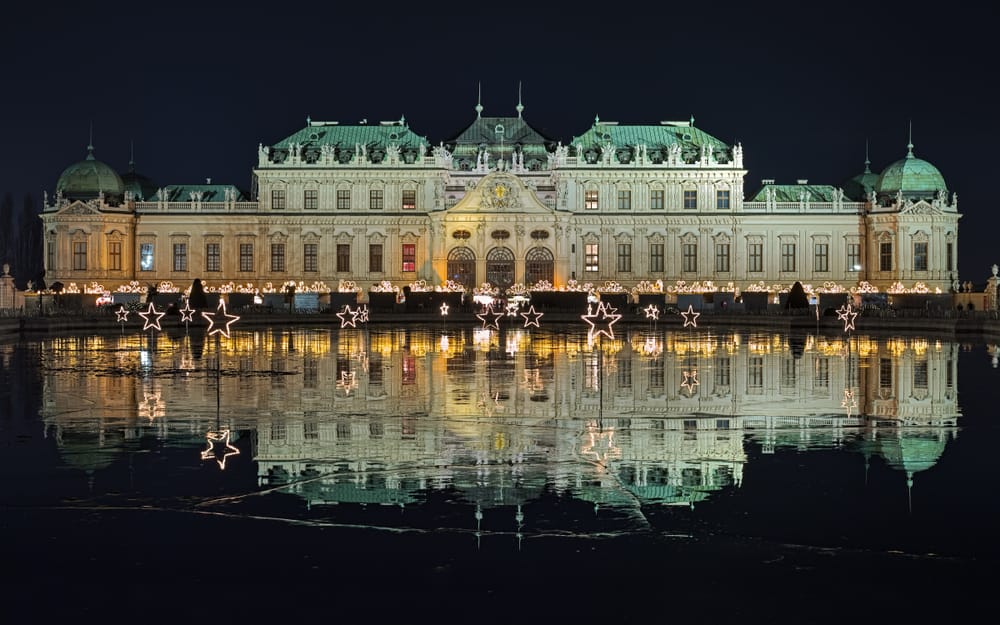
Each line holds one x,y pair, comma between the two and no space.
501,203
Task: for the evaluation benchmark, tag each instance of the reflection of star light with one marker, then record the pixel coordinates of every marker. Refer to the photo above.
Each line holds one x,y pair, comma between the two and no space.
444,309
444,342
600,444
690,317
220,326
344,321
150,407
348,380
512,309
531,317
849,401
152,323
652,347
122,314
846,313
605,315
690,381
652,312
363,313
219,448
490,317
187,313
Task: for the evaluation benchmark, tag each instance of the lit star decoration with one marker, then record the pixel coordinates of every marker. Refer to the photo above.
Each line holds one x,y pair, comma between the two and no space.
690,381
531,317
490,317
155,321
219,448
187,313
348,380
122,314
847,314
652,312
363,313
344,321
606,316
444,309
690,317
225,320
512,309
849,402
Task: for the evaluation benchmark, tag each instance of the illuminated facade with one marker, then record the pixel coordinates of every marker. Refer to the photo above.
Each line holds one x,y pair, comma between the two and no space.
502,203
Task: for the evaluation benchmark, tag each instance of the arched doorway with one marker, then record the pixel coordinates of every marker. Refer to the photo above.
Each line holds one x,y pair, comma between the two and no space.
538,265
462,267
500,267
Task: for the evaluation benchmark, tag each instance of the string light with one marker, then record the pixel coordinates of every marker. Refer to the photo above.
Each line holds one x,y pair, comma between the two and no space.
531,317
226,319
690,317
488,312
219,441
847,314
444,309
606,315
690,381
152,317
187,313
652,312
344,321
122,314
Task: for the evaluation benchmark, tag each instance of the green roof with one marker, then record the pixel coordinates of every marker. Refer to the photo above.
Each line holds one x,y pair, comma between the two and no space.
209,192
141,187
86,179
792,192
656,138
858,187
516,131
318,134
913,176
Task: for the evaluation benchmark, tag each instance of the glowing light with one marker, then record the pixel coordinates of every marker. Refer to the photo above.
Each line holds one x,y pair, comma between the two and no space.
444,309
690,381
652,312
219,448
344,321
150,406
690,317
847,314
849,402
490,317
122,314
187,313
606,316
155,321
531,317
444,342
363,313
215,327
348,380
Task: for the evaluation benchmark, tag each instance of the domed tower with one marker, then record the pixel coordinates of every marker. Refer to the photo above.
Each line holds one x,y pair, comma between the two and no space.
137,187
859,188
89,179
910,178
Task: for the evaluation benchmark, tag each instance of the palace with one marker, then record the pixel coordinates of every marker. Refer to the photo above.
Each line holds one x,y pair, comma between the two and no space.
499,202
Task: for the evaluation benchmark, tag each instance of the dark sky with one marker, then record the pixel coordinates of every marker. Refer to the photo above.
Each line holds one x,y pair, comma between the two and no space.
801,85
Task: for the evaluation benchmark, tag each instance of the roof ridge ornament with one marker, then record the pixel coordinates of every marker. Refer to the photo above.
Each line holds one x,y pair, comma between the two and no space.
909,145
479,99
519,107
90,143
868,162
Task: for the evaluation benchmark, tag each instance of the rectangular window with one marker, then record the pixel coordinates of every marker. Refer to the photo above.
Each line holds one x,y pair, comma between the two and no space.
755,374
885,374
310,200
920,257
145,257
854,257
375,258
246,256
310,257
624,200
343,199
656,257
213,257
277,257
624,257
689,257
409,257
375,199
79,255
51,264
656,199
755,257
409,199
920,375
278,199
723,368
343,257
788,257
690,199
885,256
180,257
115,255
821,257
721,257
949,263
822,371
590,258
590,200
722,200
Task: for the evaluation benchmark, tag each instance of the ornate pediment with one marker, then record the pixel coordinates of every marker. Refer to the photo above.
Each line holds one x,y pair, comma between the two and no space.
78,208
920,208
500,192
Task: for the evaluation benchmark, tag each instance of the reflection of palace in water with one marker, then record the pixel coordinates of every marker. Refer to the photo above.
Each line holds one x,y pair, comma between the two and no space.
370,416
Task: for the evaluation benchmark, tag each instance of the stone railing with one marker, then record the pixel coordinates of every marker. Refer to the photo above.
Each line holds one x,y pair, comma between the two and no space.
802,207
196,207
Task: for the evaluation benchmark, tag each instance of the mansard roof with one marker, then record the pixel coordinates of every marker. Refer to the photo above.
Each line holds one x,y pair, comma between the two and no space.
317,134
209,192
666,134
793,192
515,131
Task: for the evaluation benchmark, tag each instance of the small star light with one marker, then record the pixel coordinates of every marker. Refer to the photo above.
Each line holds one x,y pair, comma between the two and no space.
225,320
531,317
219,448
690,317
847,314
512,309
690,381
604,314
444,309
187,313
652,312
348,380
490,317
849,402
152,323
122,314
344,321
363,313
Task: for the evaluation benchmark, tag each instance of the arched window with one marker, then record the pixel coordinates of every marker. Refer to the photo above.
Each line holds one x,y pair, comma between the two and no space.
500,267
462,267
538,265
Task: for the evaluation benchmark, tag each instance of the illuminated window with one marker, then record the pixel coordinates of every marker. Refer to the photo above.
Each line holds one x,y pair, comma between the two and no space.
310,257
885,256
180,257
79,255
690,199
656,199
343,257
213,257
821,257
624,200
656,257
689,257
277,257
375,199
114,255
375,258
344,199
590,256
624,257
311,199
409,199
788,257
722,257
920,257
146,257
722,200
590,200
278,199
755,257
246,256
409,257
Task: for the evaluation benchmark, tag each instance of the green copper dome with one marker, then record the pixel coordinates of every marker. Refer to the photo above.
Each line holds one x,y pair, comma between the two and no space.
88,178
141,187
915,177
859,187
913,451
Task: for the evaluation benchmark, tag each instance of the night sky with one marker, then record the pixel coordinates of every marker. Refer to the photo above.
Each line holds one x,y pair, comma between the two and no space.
801,86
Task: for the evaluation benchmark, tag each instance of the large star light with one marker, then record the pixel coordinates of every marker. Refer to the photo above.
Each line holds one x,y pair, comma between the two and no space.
347,312
490,317
219,322
122,314
601,321
187,313
690,317
531,317
849,402
219,448
847,314
652,312
152,317
690,381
